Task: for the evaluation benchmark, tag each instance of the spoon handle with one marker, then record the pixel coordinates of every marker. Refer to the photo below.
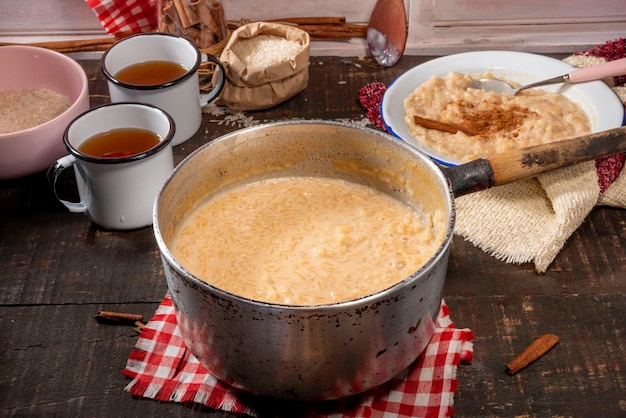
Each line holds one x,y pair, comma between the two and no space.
554,80
597,72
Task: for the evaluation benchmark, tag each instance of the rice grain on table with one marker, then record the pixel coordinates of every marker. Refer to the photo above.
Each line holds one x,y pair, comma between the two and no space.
265,50
27,108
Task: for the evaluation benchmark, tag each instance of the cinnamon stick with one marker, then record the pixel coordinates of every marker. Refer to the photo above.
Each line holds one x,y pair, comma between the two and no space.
76,45
324,20
538,348
139,326
325,28
203,11
443,126
206,39
217,12
329,31
118,317
358,31
80,45
186,15
169,10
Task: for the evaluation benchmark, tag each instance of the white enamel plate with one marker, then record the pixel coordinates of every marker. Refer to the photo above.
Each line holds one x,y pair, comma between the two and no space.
601,104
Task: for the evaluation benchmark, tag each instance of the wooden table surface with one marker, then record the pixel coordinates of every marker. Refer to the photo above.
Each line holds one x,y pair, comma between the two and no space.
59,270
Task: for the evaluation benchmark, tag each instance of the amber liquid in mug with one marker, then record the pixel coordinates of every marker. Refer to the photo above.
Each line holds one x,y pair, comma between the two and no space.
122,142
150,73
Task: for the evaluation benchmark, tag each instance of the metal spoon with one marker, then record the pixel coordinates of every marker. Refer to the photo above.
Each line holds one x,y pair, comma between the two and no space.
597,72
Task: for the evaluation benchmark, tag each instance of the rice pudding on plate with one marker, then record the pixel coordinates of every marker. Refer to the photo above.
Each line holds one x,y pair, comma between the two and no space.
493,122
601,105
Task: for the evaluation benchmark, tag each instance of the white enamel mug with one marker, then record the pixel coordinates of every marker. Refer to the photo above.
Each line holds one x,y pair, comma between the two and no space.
180,97
117,193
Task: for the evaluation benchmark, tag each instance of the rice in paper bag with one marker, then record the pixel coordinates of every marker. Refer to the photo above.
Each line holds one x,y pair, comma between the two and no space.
255,87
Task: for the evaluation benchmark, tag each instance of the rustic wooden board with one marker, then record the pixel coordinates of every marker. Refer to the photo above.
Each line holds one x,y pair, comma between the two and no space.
59,271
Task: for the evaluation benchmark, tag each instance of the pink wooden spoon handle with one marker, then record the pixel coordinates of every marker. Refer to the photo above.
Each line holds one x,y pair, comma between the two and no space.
597,72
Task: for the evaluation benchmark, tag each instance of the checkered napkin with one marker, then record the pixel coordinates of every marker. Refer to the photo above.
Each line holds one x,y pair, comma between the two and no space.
125,16
163,369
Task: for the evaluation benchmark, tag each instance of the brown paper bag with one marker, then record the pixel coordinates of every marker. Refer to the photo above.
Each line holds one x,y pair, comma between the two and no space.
253,87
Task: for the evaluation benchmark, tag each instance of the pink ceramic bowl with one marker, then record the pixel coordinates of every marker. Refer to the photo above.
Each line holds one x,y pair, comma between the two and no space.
25,67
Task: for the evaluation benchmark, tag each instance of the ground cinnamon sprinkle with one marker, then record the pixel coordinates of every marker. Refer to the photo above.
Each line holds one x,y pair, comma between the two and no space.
496,119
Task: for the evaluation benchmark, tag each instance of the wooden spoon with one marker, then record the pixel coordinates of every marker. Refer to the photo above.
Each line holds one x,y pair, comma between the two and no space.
524,163
387,32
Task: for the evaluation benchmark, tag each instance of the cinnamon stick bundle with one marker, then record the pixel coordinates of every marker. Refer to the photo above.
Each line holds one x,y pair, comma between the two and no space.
200,21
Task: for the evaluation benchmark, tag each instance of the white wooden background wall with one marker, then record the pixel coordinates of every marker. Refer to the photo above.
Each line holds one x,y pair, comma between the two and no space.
435,26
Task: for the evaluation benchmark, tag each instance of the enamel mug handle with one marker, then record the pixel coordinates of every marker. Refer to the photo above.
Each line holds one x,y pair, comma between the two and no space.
221,78
598,72
54,172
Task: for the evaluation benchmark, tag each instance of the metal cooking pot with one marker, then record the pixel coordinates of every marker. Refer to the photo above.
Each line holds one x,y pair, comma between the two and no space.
329,351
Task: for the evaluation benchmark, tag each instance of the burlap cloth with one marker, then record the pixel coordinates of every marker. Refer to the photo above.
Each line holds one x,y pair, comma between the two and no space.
530,220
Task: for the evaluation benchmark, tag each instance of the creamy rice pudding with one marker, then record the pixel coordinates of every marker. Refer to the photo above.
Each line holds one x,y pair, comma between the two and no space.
496,122
305,240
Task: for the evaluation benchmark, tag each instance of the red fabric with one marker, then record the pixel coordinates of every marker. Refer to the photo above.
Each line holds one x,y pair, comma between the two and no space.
610,51
125,16
609,168
162,368
370,97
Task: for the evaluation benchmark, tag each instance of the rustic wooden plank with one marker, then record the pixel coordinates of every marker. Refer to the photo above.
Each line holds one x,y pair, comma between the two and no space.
67,364
58,361
591,262
59,271
582,376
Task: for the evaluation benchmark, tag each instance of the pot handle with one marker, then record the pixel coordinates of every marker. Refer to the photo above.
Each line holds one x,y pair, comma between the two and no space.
525,163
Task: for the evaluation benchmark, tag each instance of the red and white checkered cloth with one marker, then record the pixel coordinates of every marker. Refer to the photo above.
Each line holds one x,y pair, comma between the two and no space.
125,16
163,369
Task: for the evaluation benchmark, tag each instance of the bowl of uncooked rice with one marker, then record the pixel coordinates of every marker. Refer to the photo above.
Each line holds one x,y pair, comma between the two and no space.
265,64
41,91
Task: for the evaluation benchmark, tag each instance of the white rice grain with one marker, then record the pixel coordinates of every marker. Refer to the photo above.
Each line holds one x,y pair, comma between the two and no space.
265,50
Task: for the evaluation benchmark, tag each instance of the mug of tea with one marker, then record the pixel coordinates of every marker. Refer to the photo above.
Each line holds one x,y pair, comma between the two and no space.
121,154
160,69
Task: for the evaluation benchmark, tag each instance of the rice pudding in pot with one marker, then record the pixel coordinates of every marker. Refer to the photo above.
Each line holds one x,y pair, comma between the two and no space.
305,240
